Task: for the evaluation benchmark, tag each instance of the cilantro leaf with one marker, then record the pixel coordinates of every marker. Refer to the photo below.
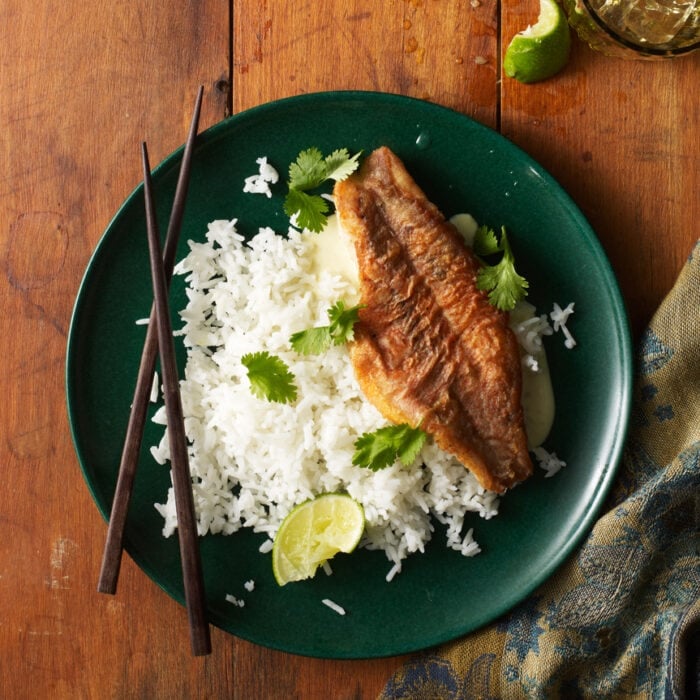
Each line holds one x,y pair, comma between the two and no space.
342,328
314,341
311,209
504,285
308,172
381,448
374,450
269,377
340,164
411,441
485,241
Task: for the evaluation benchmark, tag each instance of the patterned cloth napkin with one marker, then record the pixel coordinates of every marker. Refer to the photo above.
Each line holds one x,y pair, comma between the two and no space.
621,617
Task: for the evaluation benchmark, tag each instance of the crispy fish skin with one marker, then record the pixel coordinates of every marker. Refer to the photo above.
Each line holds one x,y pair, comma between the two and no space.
429,348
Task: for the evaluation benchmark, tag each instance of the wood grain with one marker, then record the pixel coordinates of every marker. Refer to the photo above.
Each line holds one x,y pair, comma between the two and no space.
83,83
428,49
82,91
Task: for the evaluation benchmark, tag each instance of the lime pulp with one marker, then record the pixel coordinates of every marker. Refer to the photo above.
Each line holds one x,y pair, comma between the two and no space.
314,532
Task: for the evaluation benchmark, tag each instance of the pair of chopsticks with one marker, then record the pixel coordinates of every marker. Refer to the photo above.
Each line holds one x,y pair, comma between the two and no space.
159,340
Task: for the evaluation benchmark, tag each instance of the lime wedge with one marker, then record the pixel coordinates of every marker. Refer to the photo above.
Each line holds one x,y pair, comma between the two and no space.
314,532
542,49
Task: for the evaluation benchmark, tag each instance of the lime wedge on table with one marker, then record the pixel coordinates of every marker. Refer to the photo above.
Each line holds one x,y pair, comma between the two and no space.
542,49
313,532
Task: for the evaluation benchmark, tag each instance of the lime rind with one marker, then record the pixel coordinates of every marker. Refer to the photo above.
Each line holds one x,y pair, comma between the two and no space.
314,532
541,50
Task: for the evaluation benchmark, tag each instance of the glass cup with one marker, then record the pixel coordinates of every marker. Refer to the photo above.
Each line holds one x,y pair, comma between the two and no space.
645,29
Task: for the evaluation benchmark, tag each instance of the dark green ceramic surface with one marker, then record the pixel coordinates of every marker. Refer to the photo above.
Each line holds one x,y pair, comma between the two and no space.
463,167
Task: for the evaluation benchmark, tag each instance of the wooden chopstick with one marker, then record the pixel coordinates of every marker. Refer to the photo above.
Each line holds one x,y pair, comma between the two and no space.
182,481
111,559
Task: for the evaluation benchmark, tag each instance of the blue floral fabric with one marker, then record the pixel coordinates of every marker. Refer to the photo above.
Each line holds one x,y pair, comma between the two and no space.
621,618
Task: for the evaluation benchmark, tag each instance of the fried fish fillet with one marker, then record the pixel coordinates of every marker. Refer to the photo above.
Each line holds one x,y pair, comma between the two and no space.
429,348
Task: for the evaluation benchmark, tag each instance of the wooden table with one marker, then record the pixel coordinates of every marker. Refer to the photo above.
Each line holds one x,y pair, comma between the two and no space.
83,83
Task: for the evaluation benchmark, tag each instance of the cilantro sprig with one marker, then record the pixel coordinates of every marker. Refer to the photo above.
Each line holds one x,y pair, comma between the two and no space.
504,285
384,446
314,341
269,377
309,172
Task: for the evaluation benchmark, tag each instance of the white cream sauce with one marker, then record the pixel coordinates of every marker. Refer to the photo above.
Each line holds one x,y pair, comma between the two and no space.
537,393
333,251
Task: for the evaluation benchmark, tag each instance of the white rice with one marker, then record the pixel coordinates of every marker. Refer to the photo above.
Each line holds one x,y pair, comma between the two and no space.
251,460
548,461
559,318
261,181
530,332
334,606
155,389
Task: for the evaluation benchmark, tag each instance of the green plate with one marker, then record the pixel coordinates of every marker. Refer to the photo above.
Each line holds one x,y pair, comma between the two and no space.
440,595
